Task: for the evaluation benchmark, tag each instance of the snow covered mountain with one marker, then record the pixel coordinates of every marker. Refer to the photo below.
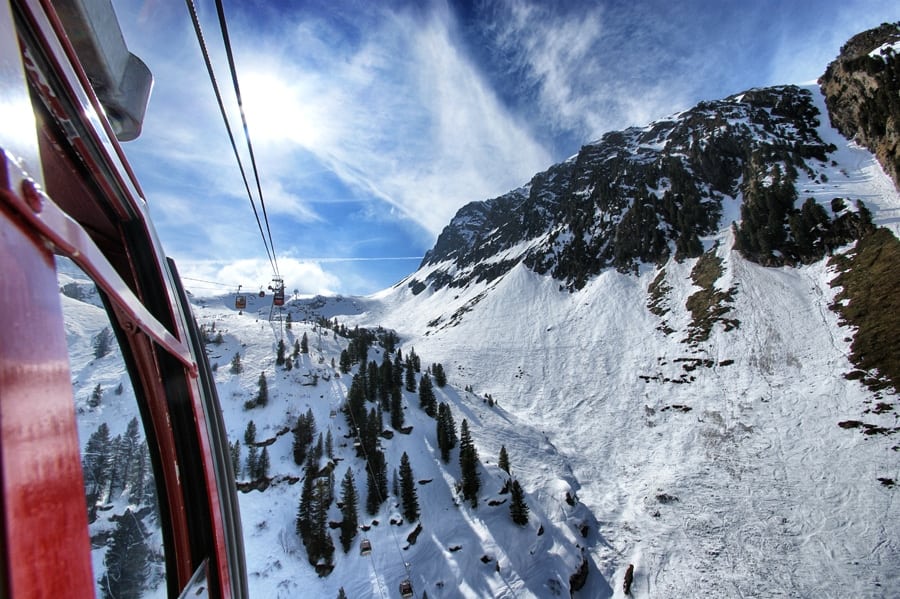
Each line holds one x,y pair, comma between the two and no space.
711,395
691,366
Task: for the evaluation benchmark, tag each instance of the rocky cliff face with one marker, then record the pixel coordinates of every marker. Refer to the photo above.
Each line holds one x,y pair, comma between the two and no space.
862,91
645,194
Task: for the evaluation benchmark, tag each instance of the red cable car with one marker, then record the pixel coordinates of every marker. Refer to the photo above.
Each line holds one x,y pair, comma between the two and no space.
277,288
66,190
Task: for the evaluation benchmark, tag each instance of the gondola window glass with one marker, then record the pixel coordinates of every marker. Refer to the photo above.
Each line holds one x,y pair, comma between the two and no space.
120,490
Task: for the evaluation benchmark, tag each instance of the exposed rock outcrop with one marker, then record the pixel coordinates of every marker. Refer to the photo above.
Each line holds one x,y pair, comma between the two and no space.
862,91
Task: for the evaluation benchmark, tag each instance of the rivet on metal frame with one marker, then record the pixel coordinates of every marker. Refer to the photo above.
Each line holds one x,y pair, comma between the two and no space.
32,196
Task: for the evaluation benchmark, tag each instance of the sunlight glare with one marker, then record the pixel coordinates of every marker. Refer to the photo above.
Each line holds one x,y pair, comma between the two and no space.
277,112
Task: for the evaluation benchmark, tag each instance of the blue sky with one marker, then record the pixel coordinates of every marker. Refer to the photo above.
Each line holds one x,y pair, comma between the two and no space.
373,122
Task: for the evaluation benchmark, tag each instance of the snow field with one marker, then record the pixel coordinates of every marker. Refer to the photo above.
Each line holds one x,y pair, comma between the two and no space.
448,557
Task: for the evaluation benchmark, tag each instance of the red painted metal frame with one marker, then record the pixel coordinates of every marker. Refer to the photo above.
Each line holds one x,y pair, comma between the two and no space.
46,549
71,240
45,543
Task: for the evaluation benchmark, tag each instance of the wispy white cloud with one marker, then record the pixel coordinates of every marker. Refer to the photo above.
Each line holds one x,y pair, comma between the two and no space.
305,276
385,118
400,115
593,69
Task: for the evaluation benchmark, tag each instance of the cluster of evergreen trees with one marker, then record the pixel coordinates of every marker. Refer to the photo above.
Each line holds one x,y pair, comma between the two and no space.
114,468
376,389
318,492
518,508
312,514
258,463
301,346
129,560
773,232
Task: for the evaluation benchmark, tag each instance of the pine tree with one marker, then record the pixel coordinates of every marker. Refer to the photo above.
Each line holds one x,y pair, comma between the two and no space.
372,373
349,501
341,593
252,462
397,418
503,460
128,449
312,520
427,401
304,344
116,483
369,435
468,464
102,343
250,433
408,490
127,559
324,543
262,397
355,409
364,378
318,450
296,351
329,445
236,366
236,457
416,362
138,472
96,397
385,382
304,510
95,464
279,353
377,482
446,431
518,509
345,362
304,432
397,372
288,321
410,376
262,466
440,377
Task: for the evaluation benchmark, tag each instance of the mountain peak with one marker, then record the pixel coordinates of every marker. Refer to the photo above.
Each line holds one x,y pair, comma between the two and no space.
633,196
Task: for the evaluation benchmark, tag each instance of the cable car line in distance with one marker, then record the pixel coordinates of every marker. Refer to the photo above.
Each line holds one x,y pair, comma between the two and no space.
198,31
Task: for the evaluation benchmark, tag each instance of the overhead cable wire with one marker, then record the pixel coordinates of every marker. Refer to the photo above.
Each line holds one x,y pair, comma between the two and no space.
217,283
212,77
223,25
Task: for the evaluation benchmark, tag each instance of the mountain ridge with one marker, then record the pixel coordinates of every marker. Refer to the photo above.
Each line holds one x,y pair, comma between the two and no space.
638,195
